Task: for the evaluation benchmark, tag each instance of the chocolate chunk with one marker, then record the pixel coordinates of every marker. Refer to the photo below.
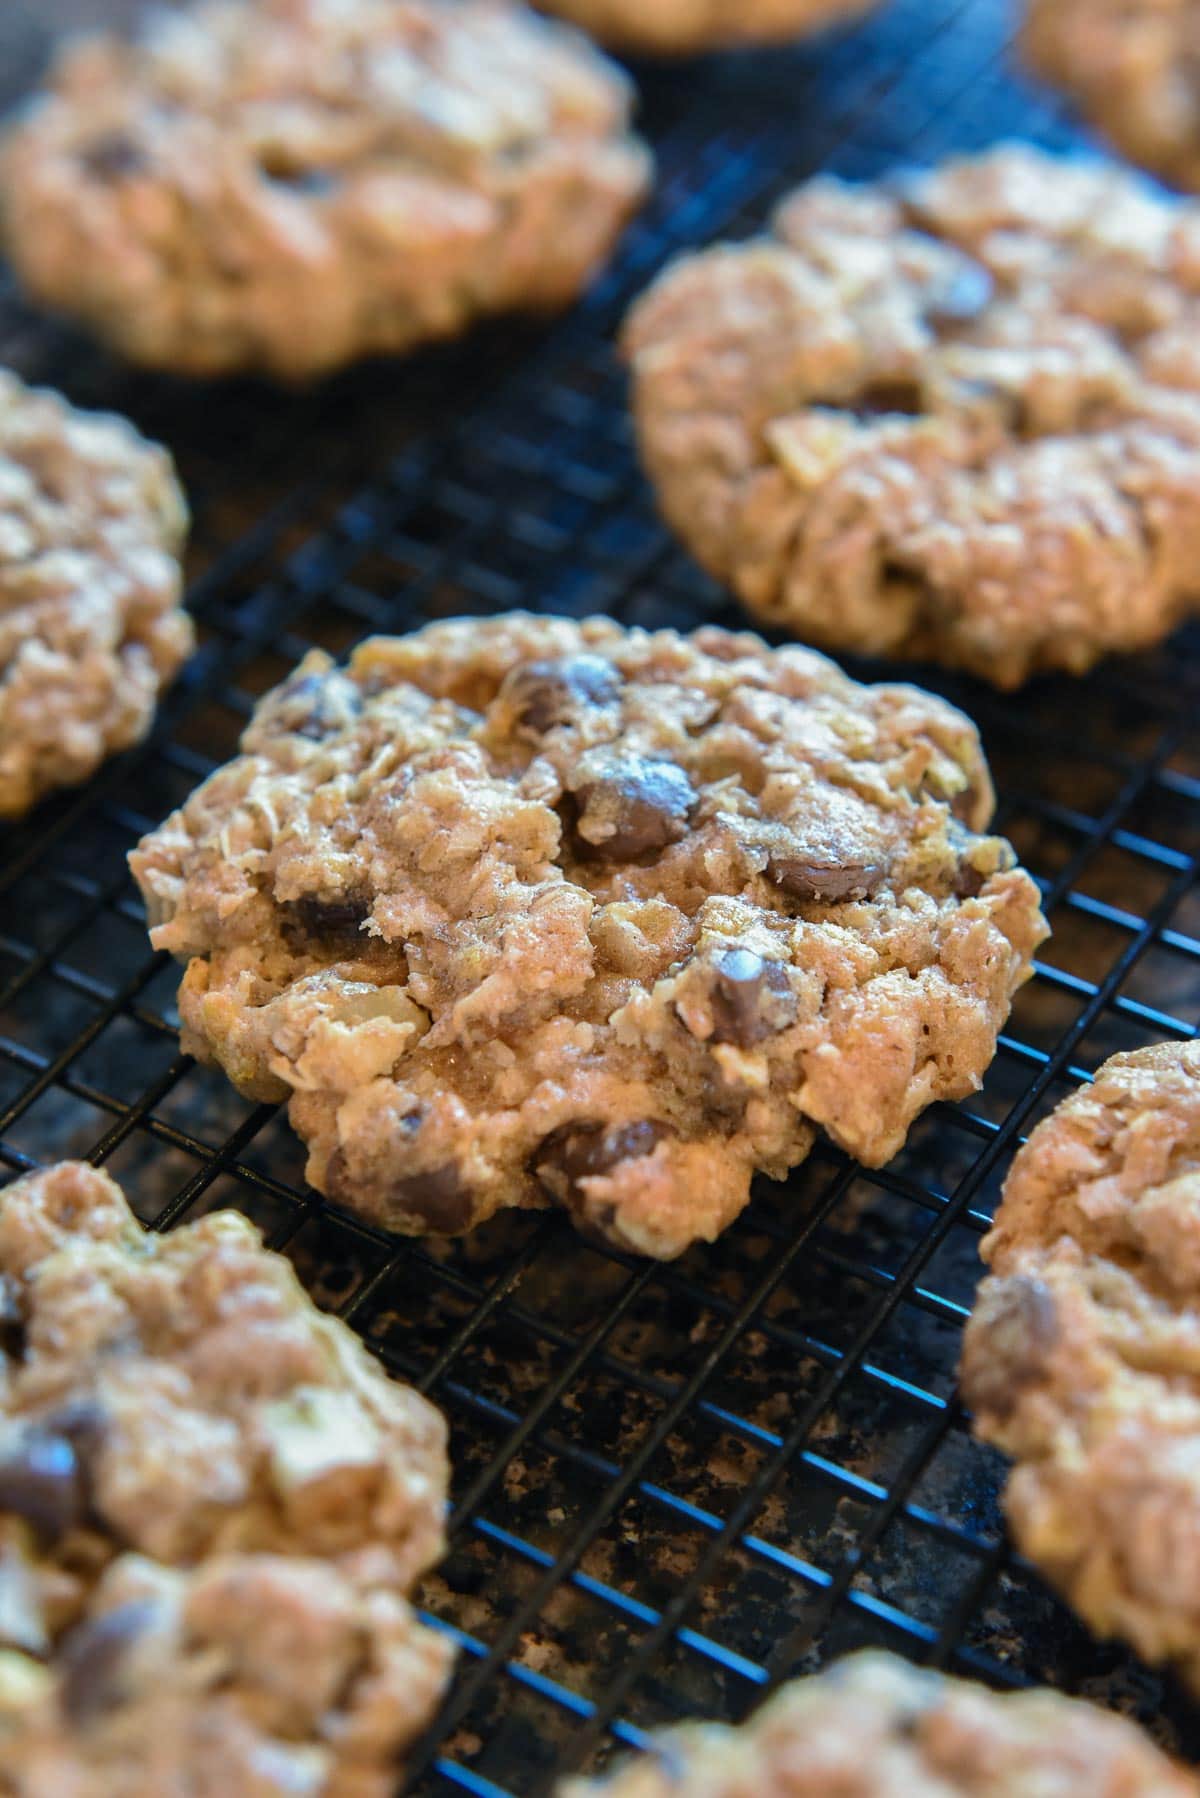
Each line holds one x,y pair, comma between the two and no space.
959,298
440,1198
824,878
751,997
968,879
97,1659
334,921
965,804
41,1481
113,157
635,808
576,1152
556,691
1013,1331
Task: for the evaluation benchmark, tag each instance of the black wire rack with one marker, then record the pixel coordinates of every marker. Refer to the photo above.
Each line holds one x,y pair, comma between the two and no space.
674,1486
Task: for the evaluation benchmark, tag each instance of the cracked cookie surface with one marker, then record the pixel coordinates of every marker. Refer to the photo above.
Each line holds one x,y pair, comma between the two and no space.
517,911
955,417
92,523
1081,1356
876,1727
212,1505
286,185
1133,68
685,27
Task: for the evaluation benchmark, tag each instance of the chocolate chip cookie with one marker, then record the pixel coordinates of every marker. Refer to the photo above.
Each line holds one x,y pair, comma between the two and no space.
92,522
1132,66
953,416
286,184
520,911
212,1504
684,27
875,1727
1082,1357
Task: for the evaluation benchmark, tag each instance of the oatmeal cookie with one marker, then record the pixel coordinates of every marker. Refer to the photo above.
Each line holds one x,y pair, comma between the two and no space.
956,416
1082,1357
519,911
92,522
212,1504
684,27
287,184
1132,67
876,1727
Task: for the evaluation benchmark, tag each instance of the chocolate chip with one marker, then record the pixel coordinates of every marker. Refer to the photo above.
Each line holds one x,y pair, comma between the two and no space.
334,921
41,1481
1013,1330
327,703
634,808
96,1659
312,182
84,1423
959,298
113,157
440,1198
576,1152
889,398
12,1318
828,880
557,690
751,997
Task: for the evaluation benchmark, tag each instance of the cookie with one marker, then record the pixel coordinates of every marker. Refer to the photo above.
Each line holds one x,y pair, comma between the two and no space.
955,417
286,185
1082,1356
521,911
876,1727
92,522
212,1504
684,27
1131,67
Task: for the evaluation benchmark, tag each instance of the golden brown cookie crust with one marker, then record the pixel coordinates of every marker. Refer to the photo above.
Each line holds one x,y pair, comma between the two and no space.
955,417
92,522
287,185
1082,1357
213,1503
876,1727
1131,66
684,27
517,911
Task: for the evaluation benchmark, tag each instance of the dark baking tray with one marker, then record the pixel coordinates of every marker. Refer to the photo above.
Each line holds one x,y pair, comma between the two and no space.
677,1485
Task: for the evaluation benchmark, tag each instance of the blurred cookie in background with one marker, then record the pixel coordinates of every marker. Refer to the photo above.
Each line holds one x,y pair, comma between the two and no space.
92,522
1132,68
685,27
284,185
952,416
872,1726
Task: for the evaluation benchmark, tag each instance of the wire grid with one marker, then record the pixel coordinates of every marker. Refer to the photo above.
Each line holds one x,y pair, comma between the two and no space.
674,1486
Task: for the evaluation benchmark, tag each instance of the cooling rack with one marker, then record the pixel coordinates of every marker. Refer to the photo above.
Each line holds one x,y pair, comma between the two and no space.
674,1486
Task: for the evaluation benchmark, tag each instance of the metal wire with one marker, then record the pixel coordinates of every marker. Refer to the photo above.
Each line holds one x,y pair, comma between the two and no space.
674,1486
